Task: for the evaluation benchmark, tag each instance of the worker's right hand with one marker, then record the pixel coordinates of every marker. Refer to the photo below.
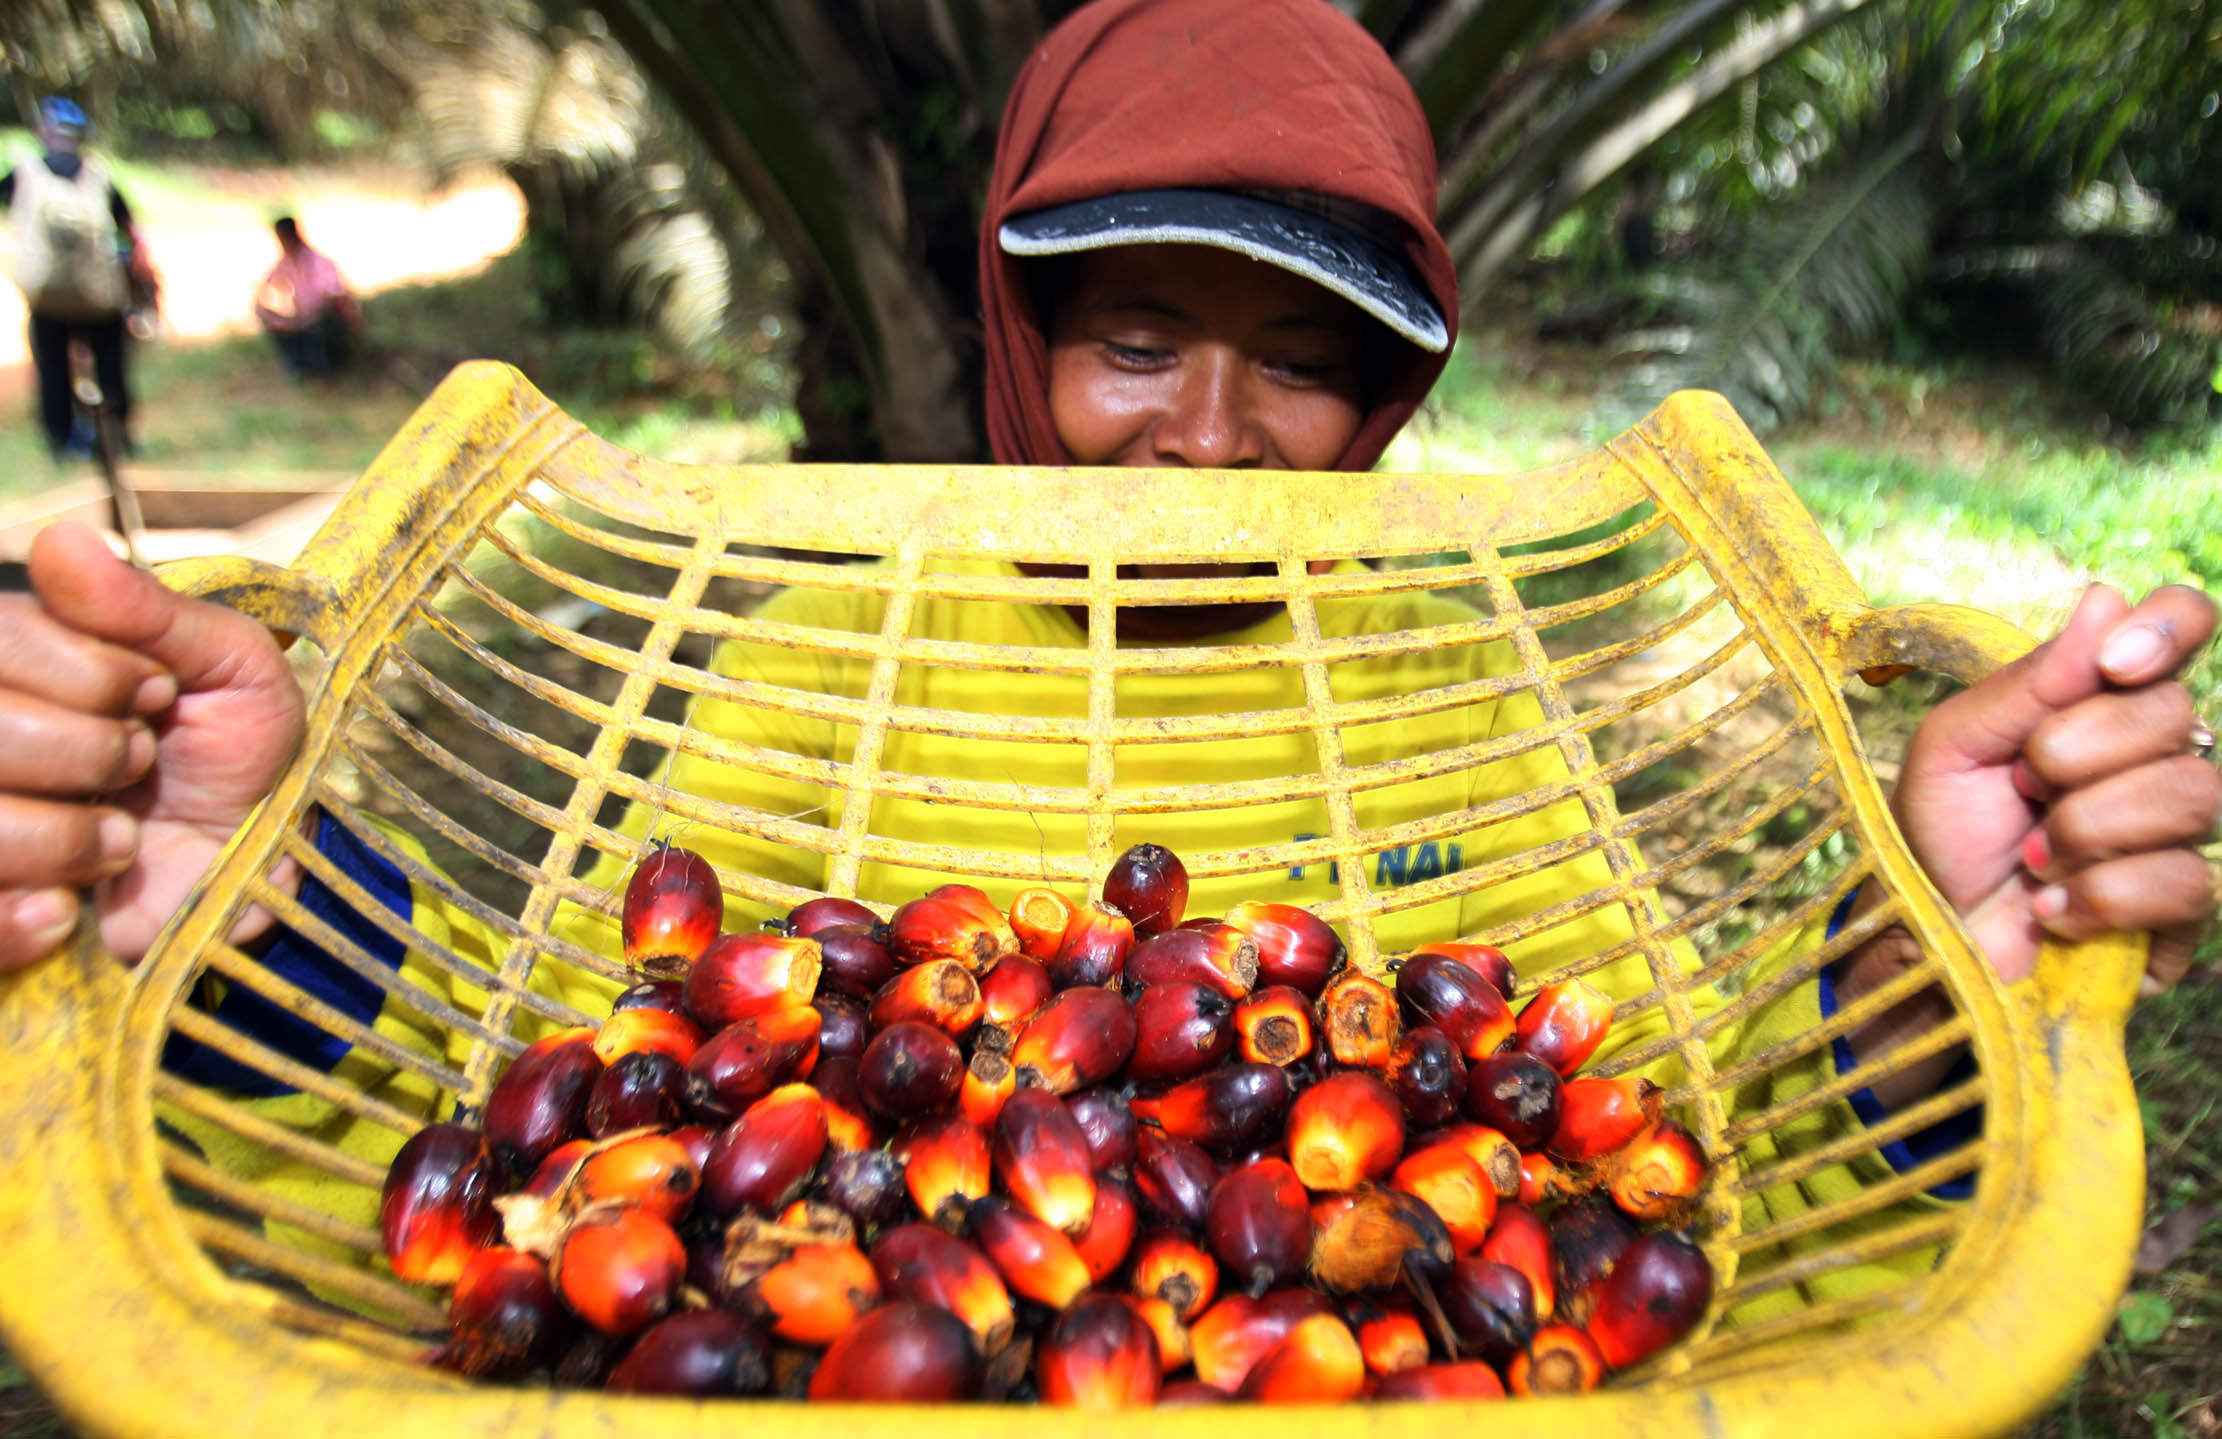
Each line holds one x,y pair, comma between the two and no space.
138,727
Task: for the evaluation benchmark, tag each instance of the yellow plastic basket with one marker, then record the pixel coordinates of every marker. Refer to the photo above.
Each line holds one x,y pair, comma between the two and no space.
504,625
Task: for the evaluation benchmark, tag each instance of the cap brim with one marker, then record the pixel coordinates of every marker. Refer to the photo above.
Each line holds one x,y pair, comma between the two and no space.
1333,256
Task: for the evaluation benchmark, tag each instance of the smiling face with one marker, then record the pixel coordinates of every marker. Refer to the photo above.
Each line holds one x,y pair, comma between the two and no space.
1185,355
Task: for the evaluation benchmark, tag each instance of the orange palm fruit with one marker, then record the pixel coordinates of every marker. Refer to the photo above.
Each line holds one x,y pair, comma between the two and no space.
1598,1116
1391,1338
1296,948
1217,956
939,992
1109,1237
1656,1177
1654,1295
909,1068
1316,1362
1433,988
1344,1130
904,1352
1515,1094
1540,1178
750,1058
672,909
1093,948
1228,1339
1563,1024
989,1082
1041,1156
540,1099
1221,1109
436,1208
1099,1355
1373,1238
918,1261
1492,1152
1180,1030
1038,917
561,1163
946,1166
1274,1025
1450,1183
1013,991
650,1171
1357,1017
1149,885
642,1029
1462,1379
1173,1351
815,1294
1081,1037
621,1274
764,1158
1035,1260
1260,1225
750,973
954,922
1560,1359
1521,1239
1175,1268
1486,960
503,1316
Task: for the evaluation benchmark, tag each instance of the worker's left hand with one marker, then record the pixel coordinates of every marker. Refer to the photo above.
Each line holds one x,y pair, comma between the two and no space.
2063,795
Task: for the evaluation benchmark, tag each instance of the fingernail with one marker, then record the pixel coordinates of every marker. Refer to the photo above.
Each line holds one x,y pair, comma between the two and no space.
2036,851
119,837
2026,783
2127,653
156,693
138,752
2050,902
45,916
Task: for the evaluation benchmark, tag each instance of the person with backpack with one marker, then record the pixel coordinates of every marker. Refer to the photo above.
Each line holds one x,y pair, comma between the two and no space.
72,238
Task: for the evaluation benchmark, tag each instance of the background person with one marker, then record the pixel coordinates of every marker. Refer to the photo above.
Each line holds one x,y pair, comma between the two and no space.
305,306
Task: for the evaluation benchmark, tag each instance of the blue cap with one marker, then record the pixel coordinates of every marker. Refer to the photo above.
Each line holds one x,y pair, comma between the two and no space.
62,113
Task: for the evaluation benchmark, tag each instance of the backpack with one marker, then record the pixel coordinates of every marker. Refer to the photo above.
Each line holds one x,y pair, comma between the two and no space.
66,257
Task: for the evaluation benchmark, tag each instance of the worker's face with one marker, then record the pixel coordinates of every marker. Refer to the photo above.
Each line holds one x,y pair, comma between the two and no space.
1184,355
58,139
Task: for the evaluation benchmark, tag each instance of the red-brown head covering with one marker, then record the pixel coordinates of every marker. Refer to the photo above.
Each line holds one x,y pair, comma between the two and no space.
1246,95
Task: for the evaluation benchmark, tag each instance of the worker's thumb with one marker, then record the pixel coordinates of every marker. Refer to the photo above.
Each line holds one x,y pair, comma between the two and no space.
84,585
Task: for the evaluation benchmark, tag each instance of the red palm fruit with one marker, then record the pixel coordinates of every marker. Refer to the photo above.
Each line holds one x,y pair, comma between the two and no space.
905,1352
1012,992
646,1030
503,1317
557,1167
1588,1238
1539,1178
644,1090
908,1069
665,994
1515,1094
1038,917
1223,1109
1149,885
1180,1029
623,1273
1191,1393
673,908
918,1261
1486,960
1563,1024
842,1027
1598,1116
853,959
1296,948
865,1184
1392,1339
945,1166
1274,1025
955,922
1455,998
1520,1238
1099,1355
1344,1130
1109,1237
696,1139
1175,1268
1081,1037
540,1100
1560,1359
1454,1187
764,1158
815,916
1656,1177
1654,1295
1218,956
1463,1379
651,1172
697,1351
1173,1348
1316,1362
1036,1261
1041,1156
1374,1238
1490,1151
1228,1339
1357,1016
1092,949
1429,1076
1109,1123
849,1122
815,1294
1259,1221
989,1082
750,1058
1173,1179
588,1359
436,1207
939,992
1490,1308
751,973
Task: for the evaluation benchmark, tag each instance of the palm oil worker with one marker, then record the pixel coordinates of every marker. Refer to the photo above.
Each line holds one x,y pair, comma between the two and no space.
1209,243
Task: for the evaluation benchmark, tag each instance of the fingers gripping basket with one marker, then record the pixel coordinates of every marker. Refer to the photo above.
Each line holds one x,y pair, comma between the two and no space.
520,634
